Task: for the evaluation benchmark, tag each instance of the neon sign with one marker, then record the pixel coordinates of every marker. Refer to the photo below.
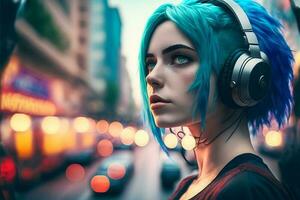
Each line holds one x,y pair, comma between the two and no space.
15,102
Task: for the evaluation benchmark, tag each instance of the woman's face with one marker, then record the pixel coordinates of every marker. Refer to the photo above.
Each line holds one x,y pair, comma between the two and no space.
172,63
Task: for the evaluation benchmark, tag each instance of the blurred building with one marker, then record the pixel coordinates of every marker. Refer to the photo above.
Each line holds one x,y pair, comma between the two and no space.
73,47
97,70
49,64
47,76
104,58
126,107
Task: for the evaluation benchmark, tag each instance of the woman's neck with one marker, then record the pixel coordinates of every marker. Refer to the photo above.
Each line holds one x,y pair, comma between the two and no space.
217,146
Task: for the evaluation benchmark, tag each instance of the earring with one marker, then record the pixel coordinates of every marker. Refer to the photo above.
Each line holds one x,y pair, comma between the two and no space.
180,134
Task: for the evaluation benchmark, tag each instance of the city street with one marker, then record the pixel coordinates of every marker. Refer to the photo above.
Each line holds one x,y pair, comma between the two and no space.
144,185
91,89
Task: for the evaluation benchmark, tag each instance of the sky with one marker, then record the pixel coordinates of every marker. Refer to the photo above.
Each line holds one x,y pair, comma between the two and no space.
134,14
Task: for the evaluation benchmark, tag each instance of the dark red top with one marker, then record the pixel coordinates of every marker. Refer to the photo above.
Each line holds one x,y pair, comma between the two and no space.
245,177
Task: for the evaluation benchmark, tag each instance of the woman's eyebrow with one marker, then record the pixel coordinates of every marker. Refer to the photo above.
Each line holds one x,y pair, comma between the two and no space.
176,46
149,55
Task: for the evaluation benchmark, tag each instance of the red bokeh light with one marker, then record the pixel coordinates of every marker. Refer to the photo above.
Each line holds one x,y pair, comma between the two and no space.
116,171
7,169
27,174
75,172
105,148
100,184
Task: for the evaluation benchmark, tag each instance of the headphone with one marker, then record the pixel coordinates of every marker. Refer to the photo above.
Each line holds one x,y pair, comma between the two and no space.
245,77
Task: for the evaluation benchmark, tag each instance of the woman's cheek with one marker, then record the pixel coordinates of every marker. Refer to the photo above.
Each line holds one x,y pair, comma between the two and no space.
188,78
189,75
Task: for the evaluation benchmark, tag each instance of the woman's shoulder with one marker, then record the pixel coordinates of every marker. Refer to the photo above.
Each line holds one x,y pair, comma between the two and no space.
247,177
252,185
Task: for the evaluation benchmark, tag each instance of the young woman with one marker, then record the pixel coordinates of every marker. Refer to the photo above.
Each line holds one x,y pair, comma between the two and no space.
217,67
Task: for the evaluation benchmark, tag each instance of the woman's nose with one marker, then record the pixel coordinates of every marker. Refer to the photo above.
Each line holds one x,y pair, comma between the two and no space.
154,78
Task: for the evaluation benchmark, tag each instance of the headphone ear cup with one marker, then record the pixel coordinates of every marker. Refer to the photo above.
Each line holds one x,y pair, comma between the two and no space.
225,77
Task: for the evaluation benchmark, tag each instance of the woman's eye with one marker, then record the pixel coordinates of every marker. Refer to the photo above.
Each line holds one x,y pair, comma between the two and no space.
180,60
150,66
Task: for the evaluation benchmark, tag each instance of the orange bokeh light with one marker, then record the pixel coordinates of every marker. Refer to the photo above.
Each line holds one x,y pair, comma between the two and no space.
273,138
105,148
75,172
100,184
24,144
102,126
81,124
53,144
141,138
115,129
116,171
127,135
20,122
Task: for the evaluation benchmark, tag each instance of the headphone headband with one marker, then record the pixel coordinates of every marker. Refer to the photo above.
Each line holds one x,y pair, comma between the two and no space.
245,25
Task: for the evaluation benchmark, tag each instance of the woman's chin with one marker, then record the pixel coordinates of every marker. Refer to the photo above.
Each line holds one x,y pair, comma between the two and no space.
167,124
163,123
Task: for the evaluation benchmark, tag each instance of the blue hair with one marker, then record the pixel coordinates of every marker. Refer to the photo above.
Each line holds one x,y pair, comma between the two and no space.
208,27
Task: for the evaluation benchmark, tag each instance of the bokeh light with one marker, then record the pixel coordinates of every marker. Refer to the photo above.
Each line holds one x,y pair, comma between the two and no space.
115,129
27,174
51,124
81,124
141,138
170,141
102,126
24,144
116,171
273,139
127,135
100,184
7,169
75,172
105,148
188,142
20,122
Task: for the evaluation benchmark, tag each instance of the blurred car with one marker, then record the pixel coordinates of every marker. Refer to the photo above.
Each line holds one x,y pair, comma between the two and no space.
170,173
113,173
120,146
82,157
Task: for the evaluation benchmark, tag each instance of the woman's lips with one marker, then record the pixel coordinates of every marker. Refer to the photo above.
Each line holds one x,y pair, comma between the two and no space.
158,105
157,102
